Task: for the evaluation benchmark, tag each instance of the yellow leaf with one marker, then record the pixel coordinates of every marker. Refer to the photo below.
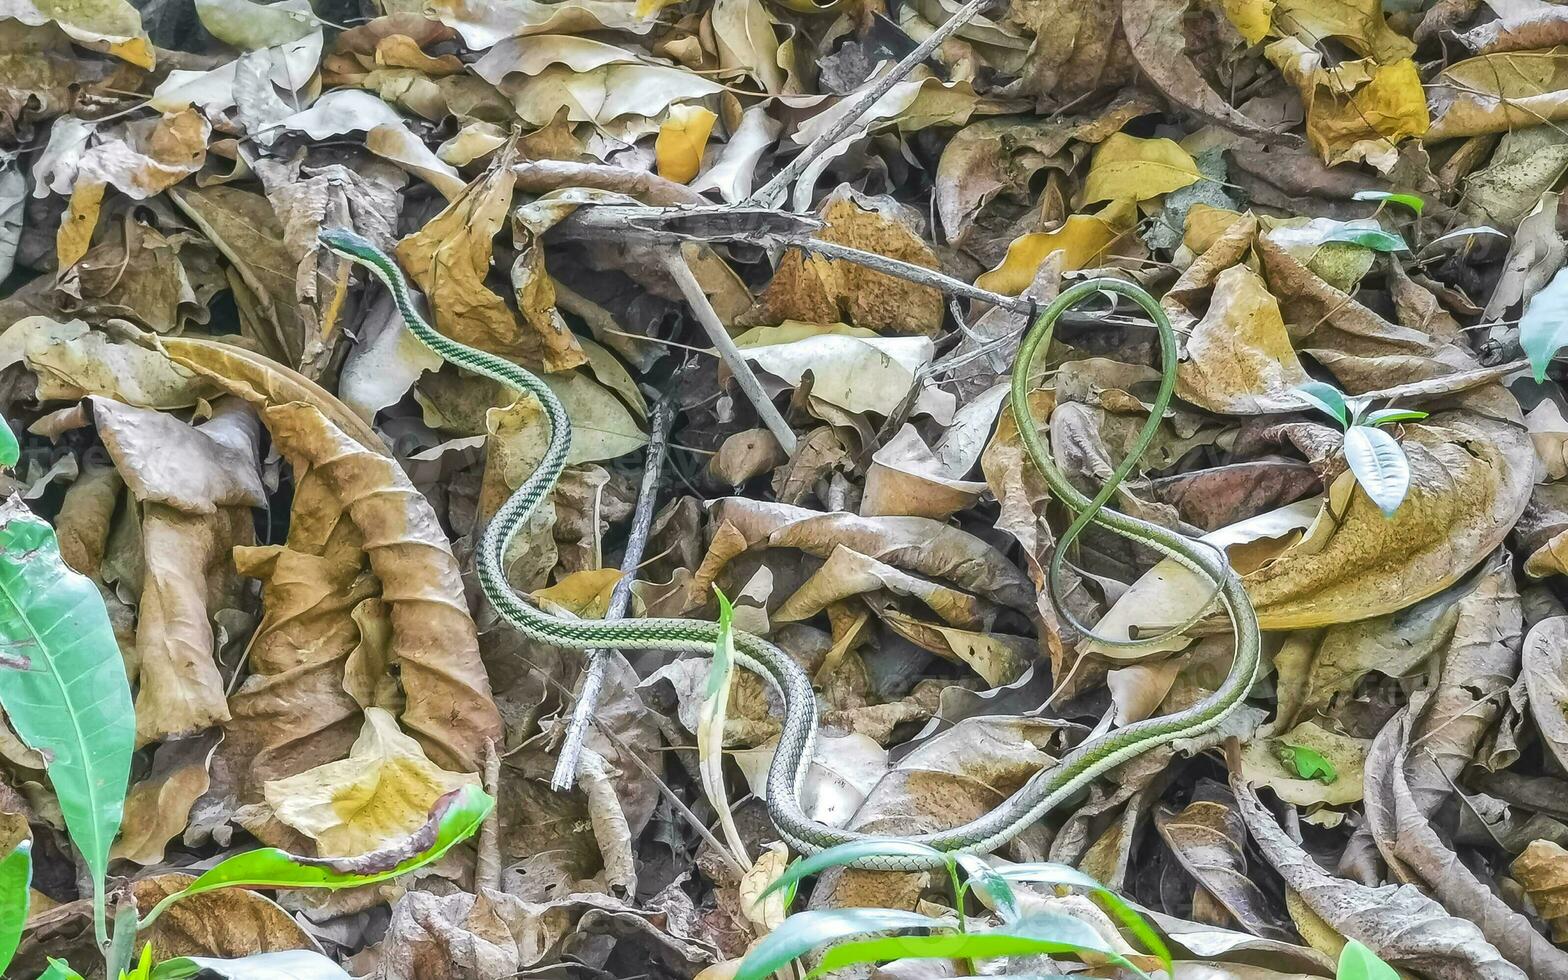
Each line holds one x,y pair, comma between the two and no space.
681,141
1250,17
1084,238
1358,23
1128,167
585,594
382,792
76,228
1205,224
1356,110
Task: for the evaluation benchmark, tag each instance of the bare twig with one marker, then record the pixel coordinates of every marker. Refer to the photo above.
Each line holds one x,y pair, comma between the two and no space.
744,376
566,767
778,185
487,863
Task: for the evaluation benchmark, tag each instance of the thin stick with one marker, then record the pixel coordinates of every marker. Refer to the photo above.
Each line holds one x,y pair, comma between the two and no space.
918,274
659,419
709,318
487,863
778,185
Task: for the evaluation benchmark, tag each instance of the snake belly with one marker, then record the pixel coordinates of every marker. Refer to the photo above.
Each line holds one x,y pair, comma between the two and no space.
1048,788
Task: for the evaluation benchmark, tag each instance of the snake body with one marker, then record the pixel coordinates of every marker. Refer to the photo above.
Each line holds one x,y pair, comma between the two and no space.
1048,788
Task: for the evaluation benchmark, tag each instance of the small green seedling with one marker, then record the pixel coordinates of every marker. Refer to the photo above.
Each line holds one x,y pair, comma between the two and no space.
1375,458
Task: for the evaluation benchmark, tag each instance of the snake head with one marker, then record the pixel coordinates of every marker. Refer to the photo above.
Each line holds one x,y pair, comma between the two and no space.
347,243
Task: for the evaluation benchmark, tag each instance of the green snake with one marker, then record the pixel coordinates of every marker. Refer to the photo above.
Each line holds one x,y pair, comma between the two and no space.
1047,789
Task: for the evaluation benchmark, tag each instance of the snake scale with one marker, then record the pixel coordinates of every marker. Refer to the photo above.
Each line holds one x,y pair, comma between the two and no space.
1048,788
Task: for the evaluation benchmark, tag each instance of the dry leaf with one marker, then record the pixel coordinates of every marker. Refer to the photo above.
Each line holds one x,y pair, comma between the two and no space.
682,138
381,793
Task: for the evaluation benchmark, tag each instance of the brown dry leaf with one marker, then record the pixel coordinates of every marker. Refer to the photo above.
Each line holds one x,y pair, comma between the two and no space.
262,274
1546,679
819,290
1360,24
1239,359
1261,764
1126,167
1209,839
229,922
433,635
1414,849
1399,923
381,793
1541,870
73,360
913,544
449,259
158,807
906,478
1499,92
848,573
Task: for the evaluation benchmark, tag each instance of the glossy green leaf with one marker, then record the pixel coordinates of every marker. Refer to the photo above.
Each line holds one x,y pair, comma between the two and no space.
59,970
1376,239
1380,466
455,817
1543,329
1307,763
1356,962
16,877
1046,873
805,931
853,851
1325,398
982,879
1411,201
294,964
10,450
1040,932
1388,416
63,685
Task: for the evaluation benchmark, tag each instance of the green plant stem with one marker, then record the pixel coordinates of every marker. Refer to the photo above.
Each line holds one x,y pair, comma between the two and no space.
960,893
122,948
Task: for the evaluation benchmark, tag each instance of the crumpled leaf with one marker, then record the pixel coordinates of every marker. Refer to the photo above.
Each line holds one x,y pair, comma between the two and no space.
1263,762
1239,359
1356,110
1399,923
1540,869
1209,839
820,290
449,258
382,792
682,138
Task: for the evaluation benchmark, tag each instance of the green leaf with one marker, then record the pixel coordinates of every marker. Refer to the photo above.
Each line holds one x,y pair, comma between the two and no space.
16,877
1380,466
1411,201
723,649
10,451
1356,962
1325,398
853,851
981,878
1376,239
294,964
249,26
143,969
1543,329
1045,873
1308,763
64,685
710,728
455,817
59,970
1388,416
1040,932
804,931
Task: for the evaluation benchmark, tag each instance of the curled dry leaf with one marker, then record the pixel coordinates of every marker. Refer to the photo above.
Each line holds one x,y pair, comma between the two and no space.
1398,922
1542,868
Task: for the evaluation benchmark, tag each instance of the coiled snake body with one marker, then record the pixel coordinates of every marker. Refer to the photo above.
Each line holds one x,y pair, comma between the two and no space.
1048,788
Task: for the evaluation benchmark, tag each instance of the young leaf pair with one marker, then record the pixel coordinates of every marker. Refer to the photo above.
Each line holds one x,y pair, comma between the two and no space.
1374,457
